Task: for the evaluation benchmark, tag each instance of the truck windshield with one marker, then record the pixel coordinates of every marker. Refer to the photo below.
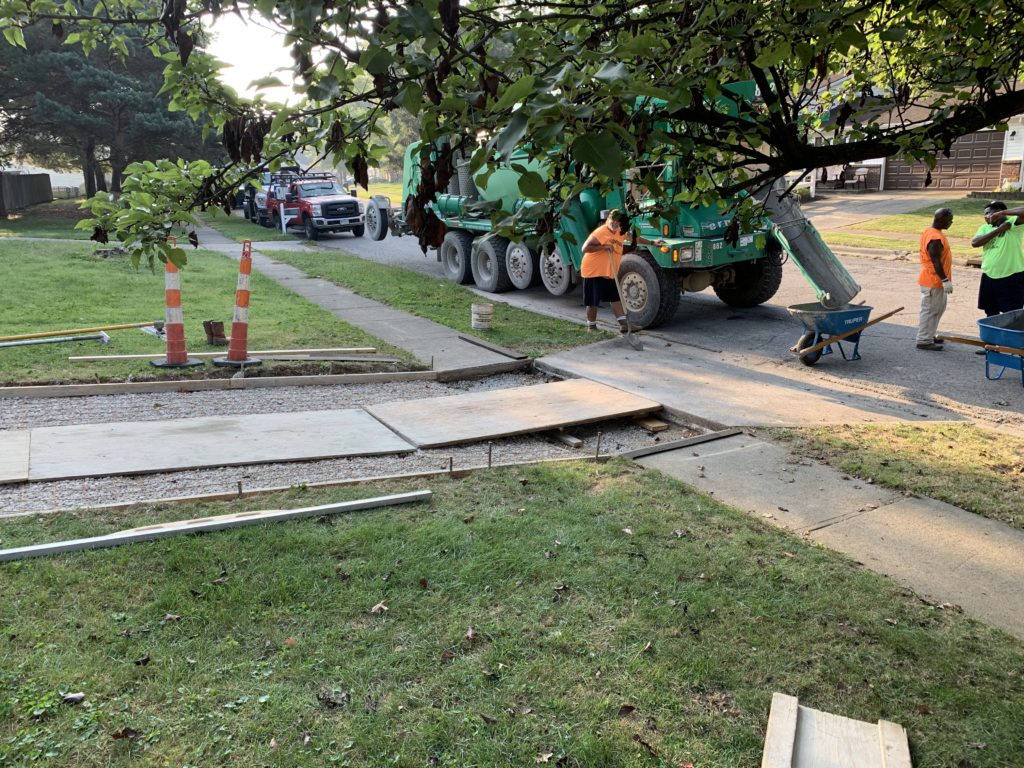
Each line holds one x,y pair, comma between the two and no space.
321,188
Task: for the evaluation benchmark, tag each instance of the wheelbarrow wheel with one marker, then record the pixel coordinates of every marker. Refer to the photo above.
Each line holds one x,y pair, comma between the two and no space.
808,340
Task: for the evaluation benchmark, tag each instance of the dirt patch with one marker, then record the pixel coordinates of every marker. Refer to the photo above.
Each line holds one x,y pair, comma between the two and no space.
63,210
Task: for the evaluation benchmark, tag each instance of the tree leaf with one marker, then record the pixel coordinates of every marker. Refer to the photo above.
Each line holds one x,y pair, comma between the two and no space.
612,70
531,185
601,152
514,93
507,141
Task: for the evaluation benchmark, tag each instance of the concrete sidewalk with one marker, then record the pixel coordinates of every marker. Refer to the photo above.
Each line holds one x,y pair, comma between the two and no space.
943,553
436,346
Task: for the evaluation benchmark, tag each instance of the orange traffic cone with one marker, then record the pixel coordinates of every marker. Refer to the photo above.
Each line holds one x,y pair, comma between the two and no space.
174,323
238,354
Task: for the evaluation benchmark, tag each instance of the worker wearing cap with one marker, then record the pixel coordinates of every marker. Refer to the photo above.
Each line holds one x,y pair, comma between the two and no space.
1002,259
602,256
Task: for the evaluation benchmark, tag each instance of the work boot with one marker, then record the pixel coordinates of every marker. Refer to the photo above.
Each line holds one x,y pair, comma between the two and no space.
931,345
208,327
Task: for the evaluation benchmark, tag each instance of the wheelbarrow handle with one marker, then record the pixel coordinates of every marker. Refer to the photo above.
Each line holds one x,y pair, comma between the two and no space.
961,340
822,344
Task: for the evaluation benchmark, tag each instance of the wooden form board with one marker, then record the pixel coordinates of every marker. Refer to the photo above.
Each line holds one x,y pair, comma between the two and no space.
14,452
124,448
438,421
217,523
801,737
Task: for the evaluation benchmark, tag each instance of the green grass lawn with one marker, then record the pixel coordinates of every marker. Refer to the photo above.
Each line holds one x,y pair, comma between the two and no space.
240,230
51,220
55,286
838,239
388,189
441,301
583,615
973,468
967,217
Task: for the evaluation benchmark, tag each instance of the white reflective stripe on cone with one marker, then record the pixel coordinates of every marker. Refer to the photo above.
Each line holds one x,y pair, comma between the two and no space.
243,281
174,315
172,281
241,315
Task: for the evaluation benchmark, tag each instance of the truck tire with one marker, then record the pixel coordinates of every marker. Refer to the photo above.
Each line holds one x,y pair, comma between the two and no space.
556,275
521,264
376,220
756,282
275,221
649,295
455,254
488,265
309,229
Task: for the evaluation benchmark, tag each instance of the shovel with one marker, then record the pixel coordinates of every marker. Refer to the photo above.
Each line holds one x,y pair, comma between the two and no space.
632,340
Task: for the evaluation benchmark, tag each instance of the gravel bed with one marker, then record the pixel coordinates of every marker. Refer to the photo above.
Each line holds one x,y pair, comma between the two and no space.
615,436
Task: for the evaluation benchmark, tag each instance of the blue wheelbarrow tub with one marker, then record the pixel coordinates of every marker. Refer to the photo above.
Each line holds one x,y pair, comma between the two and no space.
1005,330
830,322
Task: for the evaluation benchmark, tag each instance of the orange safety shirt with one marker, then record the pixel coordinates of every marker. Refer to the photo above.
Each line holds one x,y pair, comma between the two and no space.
596,263
928,278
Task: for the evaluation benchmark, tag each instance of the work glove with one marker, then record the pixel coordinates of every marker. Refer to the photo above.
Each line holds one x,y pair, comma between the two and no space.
947,286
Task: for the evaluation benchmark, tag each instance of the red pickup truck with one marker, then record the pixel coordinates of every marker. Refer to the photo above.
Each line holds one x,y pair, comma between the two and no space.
323,206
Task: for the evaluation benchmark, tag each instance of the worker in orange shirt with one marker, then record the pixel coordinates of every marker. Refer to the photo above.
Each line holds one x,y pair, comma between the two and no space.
935,279
602,255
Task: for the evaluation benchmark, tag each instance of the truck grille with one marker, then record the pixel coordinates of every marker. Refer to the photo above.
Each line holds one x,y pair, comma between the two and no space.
337,210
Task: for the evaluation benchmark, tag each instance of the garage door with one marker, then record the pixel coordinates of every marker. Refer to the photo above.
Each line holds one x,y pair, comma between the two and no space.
975,163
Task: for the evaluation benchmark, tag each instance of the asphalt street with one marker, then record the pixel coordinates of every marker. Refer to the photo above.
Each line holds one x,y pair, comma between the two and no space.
758,339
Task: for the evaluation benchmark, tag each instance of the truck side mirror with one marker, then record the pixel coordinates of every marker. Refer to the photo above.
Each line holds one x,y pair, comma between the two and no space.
352,192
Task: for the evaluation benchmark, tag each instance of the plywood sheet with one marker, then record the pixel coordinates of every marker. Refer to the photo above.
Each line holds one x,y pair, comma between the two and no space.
438,421
801,737
14,447
95,450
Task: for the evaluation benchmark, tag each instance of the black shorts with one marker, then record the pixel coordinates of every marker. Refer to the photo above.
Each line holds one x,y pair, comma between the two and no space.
598,289
1005,294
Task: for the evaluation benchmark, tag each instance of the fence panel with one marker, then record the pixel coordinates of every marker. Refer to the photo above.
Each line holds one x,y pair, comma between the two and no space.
20,190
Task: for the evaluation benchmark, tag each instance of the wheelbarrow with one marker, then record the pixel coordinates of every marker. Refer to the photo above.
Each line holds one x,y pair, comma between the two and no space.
1002,339
824,327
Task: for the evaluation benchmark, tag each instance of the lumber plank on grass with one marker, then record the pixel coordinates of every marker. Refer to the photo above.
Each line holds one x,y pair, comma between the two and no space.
218,523
253,353
438,421
801,737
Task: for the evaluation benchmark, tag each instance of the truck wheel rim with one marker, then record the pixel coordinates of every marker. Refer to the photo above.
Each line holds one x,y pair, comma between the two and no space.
518,264
371,218
634,292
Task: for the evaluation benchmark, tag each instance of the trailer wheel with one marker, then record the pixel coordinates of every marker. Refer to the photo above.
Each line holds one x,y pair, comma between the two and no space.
522,266
376,220
555,273
455,252
488,265
756,282
649,295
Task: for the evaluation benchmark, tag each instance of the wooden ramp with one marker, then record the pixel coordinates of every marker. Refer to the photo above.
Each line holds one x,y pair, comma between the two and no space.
126,448
438,421
801,737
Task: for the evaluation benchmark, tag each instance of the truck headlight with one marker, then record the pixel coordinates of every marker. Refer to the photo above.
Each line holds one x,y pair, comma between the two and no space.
315,209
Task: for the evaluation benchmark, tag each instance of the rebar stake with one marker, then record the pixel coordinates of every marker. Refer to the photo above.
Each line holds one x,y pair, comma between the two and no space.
451,465
489,447
239,489
597,453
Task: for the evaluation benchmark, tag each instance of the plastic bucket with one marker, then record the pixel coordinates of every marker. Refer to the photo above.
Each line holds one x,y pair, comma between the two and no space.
480,316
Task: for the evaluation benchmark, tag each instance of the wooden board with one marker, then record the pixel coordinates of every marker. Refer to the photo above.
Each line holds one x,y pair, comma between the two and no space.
125,448
801,737
438,421
14,451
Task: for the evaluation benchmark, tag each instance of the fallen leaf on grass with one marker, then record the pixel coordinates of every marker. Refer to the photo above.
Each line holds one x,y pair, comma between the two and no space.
628,531
685,764
447,655
923,709
489,673
142,661
468,519
291,642
331,698
126,733
424,583
471,635
647,647
561,590
306,738
172,617
273,743
626,710
379,608
650,750
73,698
370,703
544,757
488,719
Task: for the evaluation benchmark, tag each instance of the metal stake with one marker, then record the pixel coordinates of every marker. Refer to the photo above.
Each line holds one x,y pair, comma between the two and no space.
489,447
597,453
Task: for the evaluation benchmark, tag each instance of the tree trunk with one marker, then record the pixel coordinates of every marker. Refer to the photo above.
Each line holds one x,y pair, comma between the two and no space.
116,173
88,164
101,181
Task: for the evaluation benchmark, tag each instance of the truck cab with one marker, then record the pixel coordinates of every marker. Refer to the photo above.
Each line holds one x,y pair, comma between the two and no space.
325,206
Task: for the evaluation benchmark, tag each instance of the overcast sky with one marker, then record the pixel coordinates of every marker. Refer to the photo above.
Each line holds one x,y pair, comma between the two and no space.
252,51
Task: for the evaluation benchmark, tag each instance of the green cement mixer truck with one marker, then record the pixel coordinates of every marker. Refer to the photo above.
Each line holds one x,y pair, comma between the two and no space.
693,255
